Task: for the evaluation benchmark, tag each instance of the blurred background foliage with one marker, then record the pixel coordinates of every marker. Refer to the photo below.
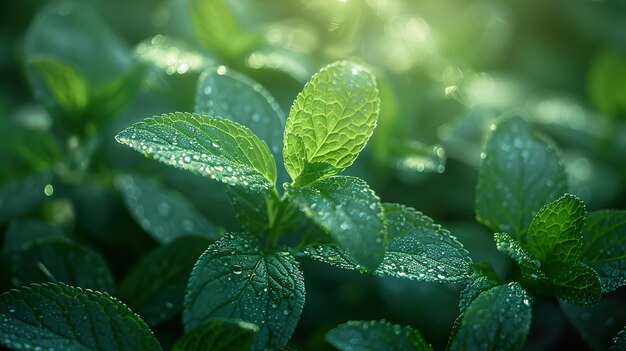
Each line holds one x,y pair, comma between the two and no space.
446,70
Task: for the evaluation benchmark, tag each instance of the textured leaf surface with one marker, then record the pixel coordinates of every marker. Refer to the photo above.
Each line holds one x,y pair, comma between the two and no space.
57,259
235,279
350,212
217,28
332,118
619,342
165,214
225,93
420,249
480,281
529,266
517,176
218,335
554,234
19,197
498,319
604,247
250,208
210,146
575,283
155,286
376,335
61,317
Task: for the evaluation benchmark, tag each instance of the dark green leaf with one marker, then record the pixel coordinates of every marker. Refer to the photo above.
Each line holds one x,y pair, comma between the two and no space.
619,342
210,146
218,335
420,249
57,259
604,247
498,319
529,266
155,286
575,283
554,234
217,28
235,279
518,174
480,281
109,99
376,335
65,89
350,212
332,118
228,94
22,232
597,325
165,214
21,196
250,208
61,317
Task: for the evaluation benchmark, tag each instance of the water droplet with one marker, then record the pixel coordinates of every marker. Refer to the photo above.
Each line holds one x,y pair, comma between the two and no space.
236,269
48,190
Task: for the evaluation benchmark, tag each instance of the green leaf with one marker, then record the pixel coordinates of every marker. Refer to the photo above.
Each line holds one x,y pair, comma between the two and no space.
210,146
165,214
498,319
529,266
155,286
235,279
228,94
21,196
376,335
417,249
518,174
57,259
218,335
575,283
62,317
109,99
420,249
66,89
606,83
297,65
604,247
619,342
250,208
554,234
481,280
218,30
22,232
350,212
332,118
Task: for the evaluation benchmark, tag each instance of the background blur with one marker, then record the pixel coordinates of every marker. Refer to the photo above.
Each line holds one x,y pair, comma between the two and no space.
446,70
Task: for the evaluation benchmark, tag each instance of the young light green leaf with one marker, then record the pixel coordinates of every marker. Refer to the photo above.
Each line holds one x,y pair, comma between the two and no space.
22,232
376,335
66,89
332,118
213,147
61,317
575,283
165,214
217,28
554,234
235,279
228,94
529,266
619,342
350,212
218,335
155,286
518,174
604,247
21,196
57,259
481,280
498,319
420,249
